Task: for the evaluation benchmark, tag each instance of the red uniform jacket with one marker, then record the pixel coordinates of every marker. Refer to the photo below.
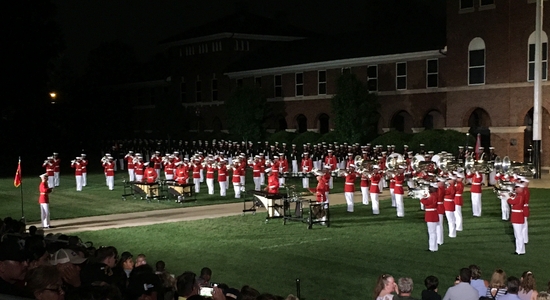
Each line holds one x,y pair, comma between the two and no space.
374,181
449,198
398,189
49,168
430,208
196,170
150,174
236,178
284,165
256,169
44,191
459,189
526,196
327,178
156,160
83,164
130,160
476,182
349,185
331,161
109,168
56,164
392,183
138,166
440,201
273,184
77,168
209,172
364,180
517,216
320,190
222,173
307,165
181,174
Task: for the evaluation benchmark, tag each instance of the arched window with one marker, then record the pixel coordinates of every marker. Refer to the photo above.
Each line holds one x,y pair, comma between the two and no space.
476,62
323,124
479,118
531,57
301,123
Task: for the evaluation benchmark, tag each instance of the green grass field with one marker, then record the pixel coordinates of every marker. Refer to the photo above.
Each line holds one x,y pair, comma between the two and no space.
343,261
96,199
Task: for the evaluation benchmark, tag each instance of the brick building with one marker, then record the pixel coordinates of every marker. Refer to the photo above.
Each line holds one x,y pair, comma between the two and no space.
478,78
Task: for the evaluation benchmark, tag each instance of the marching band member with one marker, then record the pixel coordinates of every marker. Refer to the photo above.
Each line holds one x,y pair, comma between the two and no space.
75,164
349,186
504,206
475,191
349,161
157,161
44,200
256,170
222,177
210,176
459,189
375,189
196,167
169,166
399,179
517,217
319,191
306,167
392,191
129,158
382,164
84,165
327,178
449,203
272,181
440,209
181,173
431,217
110,172
262,168
150,173
365,188
294,158
138,168
236,178
330,161
283,168
57,168
242,166
201,171
48,164
526,211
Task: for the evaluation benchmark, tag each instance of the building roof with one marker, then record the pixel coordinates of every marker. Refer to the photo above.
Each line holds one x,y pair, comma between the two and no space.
242,22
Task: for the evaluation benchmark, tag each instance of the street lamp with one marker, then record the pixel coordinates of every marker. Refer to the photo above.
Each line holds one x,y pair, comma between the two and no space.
53,96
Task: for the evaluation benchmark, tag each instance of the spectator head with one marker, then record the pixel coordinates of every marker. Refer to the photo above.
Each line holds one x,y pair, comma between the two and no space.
498,279
431,282
187,285
45,283
512,285
126,261
206,274
143,284
13,260
249,293
232,294
476,271
384,282
543,296
63,256
405,285
528,282
141,260
465,275
32,230
107,255
160,266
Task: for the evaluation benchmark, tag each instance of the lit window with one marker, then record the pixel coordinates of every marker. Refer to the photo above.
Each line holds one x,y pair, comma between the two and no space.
476,62
322,81
372,78
531,58
401,76
299,84
432,70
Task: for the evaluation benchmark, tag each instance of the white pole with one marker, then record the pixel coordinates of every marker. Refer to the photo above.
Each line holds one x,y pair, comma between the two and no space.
537,105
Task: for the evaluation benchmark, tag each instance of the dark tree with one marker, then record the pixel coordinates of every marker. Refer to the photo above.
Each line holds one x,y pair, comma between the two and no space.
246,113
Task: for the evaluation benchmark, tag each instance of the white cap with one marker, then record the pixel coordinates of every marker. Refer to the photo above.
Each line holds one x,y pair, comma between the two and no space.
43,175
146,164
352,165
433,184
268,170
376,167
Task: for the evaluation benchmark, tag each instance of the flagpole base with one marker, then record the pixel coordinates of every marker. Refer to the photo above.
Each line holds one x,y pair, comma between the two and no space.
537,162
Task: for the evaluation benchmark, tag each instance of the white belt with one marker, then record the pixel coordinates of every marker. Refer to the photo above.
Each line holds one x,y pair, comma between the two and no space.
449,200
197,172
524,205
517,210
430,209
439,202
349,183
456,195
475,183
109,169
210,172
398,184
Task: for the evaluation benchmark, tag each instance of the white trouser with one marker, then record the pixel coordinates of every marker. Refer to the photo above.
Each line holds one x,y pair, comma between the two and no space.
51,182
56,178
84,182
349,200
518,234
365,195
78,183
281,181
131,175
45,214
326,196
111,182
139,178
305,183
330,182
201,172
158,172
257,183
294,166
458,217
375,204
439,230
421,206
505,208
197,182
210,185
316,164
381,184
223,188
451,221
392,194
237,188
262,178
400,205
476,204
492,180
525,231
242,179
121,162
168,176
432,236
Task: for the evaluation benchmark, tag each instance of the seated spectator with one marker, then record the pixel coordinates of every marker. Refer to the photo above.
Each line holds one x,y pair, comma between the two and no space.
463,290
231,294
167,281
38,255
204,278
512,289
497,285
249,293
187,285
385,286
477,283
13,266
141,260
143,284
405,288
527,287
121,272
543,296
430,293
100,272
45,283
32,230
68,263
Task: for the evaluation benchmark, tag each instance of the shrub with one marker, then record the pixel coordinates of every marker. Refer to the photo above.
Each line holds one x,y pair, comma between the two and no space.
440,140
394,137
282,137
331,137
306,137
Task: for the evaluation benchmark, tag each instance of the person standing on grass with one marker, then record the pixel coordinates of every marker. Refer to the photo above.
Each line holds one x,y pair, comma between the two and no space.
44,201
475,191
110,173
440,209
398,191
430,216
76,165
349,186
518,218
459,189
56,169
462,290
385,287
449,204
83,166
374,189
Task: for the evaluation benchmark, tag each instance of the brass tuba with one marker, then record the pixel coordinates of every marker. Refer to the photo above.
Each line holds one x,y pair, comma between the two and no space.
419,164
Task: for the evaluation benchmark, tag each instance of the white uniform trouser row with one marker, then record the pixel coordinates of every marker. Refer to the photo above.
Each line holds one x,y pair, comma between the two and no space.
375,204
257,183
518,234
365,195
294,166
262,178
349,200
458,217
51,182
432,236
111,182
392,194
305,183
451,221
210,185
476,204
399,205
439,230
237,188
84,182
525,231
139,178
505,207
381,184
131,175
78,183
56,178
197,182
223,188
201,172
45,214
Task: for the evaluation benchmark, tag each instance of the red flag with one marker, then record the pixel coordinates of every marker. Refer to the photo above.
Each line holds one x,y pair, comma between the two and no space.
17,180
478,144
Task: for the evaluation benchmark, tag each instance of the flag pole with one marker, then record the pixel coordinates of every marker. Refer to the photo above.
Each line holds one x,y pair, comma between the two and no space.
21,190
